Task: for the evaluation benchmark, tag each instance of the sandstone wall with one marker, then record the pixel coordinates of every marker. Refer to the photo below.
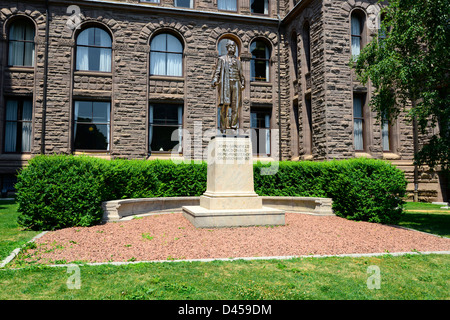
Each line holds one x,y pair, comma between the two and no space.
330,84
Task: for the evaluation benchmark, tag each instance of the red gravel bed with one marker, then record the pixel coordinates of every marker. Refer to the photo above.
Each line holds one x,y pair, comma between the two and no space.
171,236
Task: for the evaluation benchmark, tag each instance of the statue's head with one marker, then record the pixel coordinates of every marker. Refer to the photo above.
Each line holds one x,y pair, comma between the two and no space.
231,47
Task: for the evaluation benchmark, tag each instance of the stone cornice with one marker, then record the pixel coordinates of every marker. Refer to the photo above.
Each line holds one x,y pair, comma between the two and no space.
145,7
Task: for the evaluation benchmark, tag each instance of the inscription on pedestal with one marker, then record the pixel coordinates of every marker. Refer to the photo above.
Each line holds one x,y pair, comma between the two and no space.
233,152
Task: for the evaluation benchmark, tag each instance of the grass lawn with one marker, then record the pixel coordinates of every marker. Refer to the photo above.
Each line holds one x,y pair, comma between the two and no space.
11,236
427,217
406,277
410,277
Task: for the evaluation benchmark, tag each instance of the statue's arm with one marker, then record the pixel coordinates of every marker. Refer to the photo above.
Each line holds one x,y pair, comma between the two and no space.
241,76
216,74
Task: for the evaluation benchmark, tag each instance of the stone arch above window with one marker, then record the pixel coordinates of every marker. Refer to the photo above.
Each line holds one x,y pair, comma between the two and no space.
151,29
9,15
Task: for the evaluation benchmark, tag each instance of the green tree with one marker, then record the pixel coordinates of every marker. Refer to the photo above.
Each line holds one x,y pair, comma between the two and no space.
408,66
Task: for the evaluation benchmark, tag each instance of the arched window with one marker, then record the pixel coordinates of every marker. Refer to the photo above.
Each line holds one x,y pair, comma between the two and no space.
294,49
21,43
259,68
307,46
358,121
94,50
357,21
221,46
166,55
383,30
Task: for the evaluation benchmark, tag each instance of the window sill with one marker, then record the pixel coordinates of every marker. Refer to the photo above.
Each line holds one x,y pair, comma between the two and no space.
165,156
263,158
259,14
362,154
166,78
19,69
149,3
229,11
95,154
390,156
16,156
261,83
93,73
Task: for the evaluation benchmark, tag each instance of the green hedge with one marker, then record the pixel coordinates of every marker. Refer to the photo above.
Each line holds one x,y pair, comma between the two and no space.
361,189
61,191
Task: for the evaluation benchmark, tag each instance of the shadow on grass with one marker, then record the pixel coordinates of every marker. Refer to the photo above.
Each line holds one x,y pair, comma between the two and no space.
435,223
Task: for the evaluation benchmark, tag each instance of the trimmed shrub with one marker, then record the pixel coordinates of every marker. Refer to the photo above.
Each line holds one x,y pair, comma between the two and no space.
63,190
367,190
149,179
361,189
60,191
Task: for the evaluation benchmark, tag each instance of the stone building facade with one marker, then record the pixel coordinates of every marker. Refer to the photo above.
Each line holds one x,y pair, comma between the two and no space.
115,79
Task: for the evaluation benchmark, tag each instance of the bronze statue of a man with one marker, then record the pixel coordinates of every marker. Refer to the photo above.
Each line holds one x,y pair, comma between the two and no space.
229,79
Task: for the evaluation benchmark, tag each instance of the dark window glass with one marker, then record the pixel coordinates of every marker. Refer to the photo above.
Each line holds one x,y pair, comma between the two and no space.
358,122
307,46
259,66
7,183
309,121
18,126
260,125
386,134
294,54
259,6
184,3
165,125
92,125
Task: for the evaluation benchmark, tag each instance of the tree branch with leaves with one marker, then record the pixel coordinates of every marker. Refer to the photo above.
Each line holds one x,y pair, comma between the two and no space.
409,69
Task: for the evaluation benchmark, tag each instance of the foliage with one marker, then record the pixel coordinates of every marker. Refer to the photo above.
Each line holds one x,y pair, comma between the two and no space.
361,189
410,67
61,191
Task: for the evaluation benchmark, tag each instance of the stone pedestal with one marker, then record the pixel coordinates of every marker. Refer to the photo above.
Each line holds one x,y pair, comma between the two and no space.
230,199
